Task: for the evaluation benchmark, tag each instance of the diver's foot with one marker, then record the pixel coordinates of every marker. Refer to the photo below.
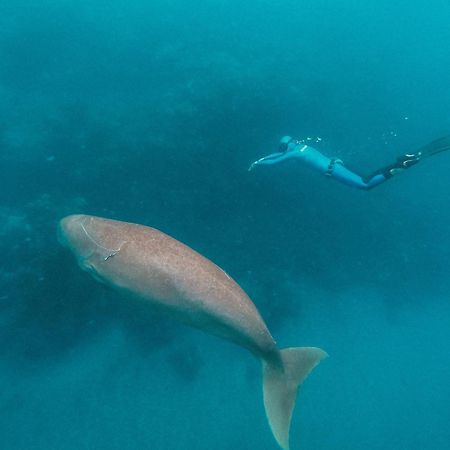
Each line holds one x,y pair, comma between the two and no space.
409,159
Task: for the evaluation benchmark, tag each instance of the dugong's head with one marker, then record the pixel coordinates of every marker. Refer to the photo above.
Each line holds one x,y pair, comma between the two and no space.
91,239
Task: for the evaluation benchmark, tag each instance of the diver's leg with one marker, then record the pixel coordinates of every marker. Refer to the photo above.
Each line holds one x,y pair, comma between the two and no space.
339,172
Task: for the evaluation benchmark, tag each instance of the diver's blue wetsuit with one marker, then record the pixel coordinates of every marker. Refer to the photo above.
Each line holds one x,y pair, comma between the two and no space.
332,167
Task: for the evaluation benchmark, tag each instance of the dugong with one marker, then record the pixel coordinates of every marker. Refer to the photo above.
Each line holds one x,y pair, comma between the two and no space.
161,271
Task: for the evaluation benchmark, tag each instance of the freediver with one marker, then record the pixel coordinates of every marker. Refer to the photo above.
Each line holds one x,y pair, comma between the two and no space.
300,150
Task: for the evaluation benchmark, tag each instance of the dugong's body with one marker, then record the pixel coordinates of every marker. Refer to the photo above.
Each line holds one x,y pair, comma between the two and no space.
167,274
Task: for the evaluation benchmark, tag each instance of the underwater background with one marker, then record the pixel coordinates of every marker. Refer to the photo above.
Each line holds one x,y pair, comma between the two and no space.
151,112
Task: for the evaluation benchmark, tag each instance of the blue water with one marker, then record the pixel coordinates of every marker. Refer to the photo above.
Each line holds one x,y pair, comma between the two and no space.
151,112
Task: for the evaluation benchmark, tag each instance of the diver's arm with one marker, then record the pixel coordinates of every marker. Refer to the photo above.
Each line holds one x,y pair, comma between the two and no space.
274,158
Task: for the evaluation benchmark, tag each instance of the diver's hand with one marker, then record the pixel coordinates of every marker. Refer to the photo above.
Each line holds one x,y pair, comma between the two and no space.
269,159
255,163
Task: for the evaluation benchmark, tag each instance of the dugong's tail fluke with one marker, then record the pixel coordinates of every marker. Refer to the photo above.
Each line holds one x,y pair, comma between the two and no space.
280,387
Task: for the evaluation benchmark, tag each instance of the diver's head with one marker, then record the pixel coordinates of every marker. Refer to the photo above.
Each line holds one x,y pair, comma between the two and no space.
284,143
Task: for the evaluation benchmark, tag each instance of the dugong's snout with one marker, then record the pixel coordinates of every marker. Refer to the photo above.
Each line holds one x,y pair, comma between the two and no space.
67,229
72,234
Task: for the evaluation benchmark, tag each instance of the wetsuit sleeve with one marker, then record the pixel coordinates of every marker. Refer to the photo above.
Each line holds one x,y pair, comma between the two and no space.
274,158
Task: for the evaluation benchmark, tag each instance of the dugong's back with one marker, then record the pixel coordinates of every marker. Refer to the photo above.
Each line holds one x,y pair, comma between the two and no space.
167,273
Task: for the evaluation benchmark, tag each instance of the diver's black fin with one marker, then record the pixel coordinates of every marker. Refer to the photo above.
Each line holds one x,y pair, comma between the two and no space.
437,146
410,159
